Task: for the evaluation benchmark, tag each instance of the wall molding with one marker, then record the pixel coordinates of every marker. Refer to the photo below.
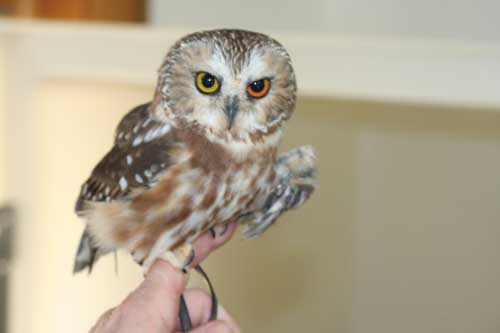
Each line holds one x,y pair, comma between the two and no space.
331,66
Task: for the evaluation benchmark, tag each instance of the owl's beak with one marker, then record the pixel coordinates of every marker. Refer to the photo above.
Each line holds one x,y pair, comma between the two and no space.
231,108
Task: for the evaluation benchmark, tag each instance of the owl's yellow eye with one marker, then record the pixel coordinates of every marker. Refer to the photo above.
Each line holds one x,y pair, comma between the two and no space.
207,83
259,88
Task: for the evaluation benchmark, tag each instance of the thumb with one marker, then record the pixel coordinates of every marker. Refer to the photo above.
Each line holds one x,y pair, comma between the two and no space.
216,326
156,300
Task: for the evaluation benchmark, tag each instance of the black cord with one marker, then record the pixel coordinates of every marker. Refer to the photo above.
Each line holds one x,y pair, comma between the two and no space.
213,310
184,317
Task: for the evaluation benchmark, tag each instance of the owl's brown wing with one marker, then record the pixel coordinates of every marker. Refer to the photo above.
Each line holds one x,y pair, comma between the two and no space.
140,152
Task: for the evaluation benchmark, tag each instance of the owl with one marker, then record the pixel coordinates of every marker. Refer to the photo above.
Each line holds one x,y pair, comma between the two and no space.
203,152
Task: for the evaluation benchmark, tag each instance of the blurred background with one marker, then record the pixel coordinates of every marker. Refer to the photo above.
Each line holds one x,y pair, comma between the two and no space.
400,98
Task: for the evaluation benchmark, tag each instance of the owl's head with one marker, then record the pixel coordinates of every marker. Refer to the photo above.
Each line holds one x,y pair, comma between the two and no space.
233,86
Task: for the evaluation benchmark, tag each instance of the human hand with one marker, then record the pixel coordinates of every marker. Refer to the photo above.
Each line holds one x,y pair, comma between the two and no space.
154,306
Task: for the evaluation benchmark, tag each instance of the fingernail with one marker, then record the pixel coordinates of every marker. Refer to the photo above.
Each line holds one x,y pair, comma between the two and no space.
222,327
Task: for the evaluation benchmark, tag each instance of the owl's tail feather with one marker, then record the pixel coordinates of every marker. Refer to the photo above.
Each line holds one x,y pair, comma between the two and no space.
86,255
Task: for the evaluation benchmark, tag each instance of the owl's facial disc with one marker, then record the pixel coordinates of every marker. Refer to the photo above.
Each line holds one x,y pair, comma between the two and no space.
230,85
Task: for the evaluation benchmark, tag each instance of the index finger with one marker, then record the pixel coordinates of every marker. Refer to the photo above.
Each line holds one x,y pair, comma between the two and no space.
208,242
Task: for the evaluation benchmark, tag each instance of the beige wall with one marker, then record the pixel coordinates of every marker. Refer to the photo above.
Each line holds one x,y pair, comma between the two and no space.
74,126
3,116
401,236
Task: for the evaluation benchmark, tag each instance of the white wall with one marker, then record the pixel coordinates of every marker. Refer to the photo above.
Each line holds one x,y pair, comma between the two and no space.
459,19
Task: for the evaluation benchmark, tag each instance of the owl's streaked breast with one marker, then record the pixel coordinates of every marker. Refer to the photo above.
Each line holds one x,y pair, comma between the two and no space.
206,187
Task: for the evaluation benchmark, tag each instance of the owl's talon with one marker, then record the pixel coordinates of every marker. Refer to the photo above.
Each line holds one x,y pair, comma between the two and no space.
212,232
223,230
184,317
218,231
188,262
190,258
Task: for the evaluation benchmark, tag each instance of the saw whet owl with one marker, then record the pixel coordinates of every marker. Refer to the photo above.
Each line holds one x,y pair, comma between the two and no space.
203,152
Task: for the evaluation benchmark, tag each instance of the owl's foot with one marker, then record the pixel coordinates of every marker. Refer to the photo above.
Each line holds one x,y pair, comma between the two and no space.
219,230
180,258
184,316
